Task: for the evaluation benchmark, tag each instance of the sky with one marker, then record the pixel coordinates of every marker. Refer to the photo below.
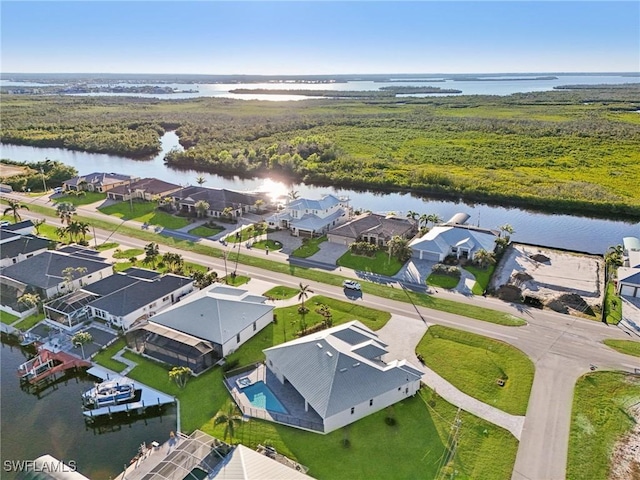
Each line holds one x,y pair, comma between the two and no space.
319,37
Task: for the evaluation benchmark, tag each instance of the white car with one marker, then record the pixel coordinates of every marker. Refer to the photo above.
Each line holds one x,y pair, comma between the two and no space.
350,284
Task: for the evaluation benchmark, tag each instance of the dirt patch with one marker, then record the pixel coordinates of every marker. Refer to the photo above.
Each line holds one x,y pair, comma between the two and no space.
538,257
509,293
7,171
625,461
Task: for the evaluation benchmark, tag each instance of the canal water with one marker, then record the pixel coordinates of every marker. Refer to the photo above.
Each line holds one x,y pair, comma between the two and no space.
52,423
571,232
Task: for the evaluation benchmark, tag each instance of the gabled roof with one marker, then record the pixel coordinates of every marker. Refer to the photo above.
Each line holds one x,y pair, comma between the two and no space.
242,463
329,369
324,203
310,221
99,178
214,314
45,270
151,186
442,237
218,199
19,226
373,224
23,245
110,284
629,275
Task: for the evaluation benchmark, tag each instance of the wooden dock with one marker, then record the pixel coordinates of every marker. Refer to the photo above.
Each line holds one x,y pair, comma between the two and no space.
47,364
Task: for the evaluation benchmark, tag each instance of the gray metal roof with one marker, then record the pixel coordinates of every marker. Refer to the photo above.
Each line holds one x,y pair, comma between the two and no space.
141,273
110,284
324,203
442,237
246,464
25,244
330,373
19,226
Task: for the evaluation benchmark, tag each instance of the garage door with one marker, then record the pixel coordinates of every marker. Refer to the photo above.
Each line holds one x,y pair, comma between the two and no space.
630,291
431,256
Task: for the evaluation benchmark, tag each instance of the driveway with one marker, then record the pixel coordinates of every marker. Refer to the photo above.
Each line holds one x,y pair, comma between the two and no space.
288,241
415,271
329,253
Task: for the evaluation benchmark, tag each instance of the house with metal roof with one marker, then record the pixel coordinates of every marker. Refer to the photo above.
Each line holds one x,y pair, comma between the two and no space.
16,245
310,218
461,241
203,327
97,182
629,275
372,228
25,227
341,375
144,189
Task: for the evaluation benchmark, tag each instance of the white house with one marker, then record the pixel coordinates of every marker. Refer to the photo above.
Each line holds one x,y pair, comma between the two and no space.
629,275
16,246
203,327
340,374
462,241
308,218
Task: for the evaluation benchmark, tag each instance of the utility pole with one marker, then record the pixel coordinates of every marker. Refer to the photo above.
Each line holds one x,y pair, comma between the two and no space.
455,433
130,196
44,183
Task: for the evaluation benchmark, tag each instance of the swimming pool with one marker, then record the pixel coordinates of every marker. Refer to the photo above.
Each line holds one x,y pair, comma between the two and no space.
260,396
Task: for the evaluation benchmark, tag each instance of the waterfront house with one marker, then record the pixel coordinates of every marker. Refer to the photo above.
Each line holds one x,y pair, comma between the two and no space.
219,200
310,218
454,238
340,374
372,228
16,246
203,328
97,182
121,299
629,274
144,189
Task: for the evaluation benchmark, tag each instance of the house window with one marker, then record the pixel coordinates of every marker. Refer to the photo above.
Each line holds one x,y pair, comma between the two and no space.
371,402
254,326
152,305
353,410
238,338
165,298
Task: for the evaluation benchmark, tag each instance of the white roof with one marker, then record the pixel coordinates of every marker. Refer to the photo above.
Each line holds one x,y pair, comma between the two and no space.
340,367
313,222
629,275
246,464
326,202
441,238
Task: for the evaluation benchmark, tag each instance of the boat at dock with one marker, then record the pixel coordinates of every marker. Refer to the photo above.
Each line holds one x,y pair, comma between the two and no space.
110,392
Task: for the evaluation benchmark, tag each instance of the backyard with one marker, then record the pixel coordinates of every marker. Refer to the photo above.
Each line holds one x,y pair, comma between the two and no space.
145,212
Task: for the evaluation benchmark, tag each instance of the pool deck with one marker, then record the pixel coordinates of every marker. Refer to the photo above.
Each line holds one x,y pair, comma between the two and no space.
286,394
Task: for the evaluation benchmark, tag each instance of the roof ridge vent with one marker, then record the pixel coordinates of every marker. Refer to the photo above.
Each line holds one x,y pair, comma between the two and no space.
357,364
319,345
343,370
329,354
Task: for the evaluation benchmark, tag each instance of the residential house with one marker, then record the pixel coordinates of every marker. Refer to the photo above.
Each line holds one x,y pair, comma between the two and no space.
43,274
629,275
372,228
204,327
219,200
97,182
25,227
16,246
310,218
454,238
340,374
121,299
144,189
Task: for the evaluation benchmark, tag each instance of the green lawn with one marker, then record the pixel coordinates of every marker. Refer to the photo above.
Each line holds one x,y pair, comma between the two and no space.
247,234
413,448
281,293
600,416
380,264
235,281
612,305
107,246
86,199
628,347
103,357
48,230
483,276
288,320
310,246
122,266
443,281
203,231
126,254
7,318
474,363
272,244
145,212
26,323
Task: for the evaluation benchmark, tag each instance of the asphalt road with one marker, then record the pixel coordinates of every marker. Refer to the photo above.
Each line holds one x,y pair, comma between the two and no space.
562,348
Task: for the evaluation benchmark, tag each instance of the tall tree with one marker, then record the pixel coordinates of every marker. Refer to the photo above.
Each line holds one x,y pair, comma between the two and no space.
230,419
38,223
259,204
13,208
484,258
69,274
83,229
434,218
30,300
423,220
507,230
303,294
73,230
65,211
80,339
398,247
180,375
174,262
200,180
411,215
151,251
201,208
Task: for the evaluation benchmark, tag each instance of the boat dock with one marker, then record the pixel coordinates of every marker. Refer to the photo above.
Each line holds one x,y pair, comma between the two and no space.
147,398
47,364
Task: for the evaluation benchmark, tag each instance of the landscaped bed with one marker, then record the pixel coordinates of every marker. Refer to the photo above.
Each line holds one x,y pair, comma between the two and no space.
477,365
442,281
263,244
380,263
612,305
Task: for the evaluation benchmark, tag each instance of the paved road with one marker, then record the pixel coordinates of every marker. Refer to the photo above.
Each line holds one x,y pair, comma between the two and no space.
562,348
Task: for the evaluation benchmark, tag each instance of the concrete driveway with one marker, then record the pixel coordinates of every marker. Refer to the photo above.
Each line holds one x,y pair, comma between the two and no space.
288,241
415,271
329,253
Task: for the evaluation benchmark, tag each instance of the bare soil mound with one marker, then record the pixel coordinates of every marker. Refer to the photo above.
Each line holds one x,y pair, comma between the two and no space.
509,293
538,257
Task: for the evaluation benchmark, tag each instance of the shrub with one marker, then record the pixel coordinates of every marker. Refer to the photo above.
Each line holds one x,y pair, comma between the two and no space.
443,269
363,248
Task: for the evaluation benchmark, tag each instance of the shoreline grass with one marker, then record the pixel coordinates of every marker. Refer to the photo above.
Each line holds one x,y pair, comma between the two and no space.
28,322
7,318
104,357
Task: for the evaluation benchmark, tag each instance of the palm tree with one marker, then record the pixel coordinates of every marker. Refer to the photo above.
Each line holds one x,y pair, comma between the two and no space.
507,230
30,300
229,420
173,261
38,223
227,212
13,208
259,204
83,229
399,248
434,218
423,220
484,258
151,253
201,208
613,259
303,294
73,230
180,375
412,215
293,194
200,180
80,339
65,211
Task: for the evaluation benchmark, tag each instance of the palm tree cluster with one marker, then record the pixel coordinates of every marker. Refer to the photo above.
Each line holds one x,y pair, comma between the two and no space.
424,219
398,247
74,230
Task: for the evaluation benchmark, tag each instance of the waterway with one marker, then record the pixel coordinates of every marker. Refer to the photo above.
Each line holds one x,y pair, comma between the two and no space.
570,232
53,423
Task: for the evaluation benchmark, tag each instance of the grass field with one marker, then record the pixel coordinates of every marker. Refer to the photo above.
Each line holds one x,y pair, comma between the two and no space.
309,247
628,347
599,418
247,234
107,246
103,357
281,293
474,364
145,212
380,264
126,254
443,281
203,231
483,277
612,305
77,200
272,244
235,281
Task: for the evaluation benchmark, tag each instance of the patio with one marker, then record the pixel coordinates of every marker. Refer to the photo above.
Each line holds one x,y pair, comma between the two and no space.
286,394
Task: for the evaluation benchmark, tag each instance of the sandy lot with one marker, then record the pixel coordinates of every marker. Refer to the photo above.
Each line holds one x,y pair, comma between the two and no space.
562,273
11,170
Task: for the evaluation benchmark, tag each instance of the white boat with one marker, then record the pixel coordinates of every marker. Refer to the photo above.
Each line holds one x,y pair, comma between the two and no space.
110,392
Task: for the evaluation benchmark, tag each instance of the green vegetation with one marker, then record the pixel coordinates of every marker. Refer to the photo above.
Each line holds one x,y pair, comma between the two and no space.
474,364
7,318
612,305
83,198
104,357
107,246
204,231
131,252
310,246
235,281
442,281
599,418
281,293
628,347
483,276
380,263
28,322
247,233
29,175
145,212
263,244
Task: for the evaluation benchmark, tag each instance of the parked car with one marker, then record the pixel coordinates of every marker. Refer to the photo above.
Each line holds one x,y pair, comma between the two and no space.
352,285
57,190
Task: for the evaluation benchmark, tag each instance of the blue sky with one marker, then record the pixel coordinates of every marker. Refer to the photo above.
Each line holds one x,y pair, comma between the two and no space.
324,37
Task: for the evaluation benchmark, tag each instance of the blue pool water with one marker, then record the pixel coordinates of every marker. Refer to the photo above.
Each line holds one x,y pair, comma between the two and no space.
260,396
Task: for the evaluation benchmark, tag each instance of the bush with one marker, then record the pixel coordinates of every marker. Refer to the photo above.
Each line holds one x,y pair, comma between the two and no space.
363,248
443,269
